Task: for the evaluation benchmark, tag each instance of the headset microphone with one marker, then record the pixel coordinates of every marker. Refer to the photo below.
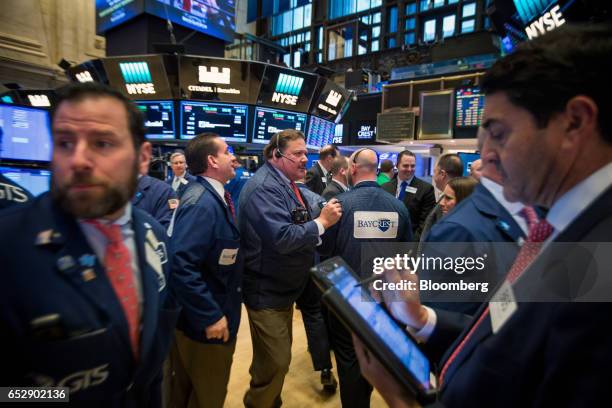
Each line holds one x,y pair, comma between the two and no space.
280,154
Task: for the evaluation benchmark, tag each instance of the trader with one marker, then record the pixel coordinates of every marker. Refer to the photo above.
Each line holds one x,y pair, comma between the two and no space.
156,198
207,267
180,176
279,237
85,301
367,201
339,182
318,175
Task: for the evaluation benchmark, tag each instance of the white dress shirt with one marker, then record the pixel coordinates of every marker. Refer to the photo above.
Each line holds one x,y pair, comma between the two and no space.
399,185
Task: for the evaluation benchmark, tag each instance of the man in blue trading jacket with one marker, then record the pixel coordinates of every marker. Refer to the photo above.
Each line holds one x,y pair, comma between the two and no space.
156,198
237,183
278,236
207,269
483,218
11,193
367,201
85,295
550,133
180,176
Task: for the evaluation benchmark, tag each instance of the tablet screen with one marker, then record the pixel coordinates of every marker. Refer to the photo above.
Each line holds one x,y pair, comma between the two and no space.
379,320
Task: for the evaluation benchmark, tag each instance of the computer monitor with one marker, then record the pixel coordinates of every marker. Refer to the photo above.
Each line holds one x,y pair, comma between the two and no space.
35,181
268,122
469,106
25,134
159,119
227,120
468,159
320,133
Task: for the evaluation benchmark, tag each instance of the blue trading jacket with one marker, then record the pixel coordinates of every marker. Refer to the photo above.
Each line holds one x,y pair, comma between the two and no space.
156,198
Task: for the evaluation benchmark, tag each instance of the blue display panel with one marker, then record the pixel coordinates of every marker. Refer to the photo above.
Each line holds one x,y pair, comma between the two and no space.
111,13
158,118
469,107
213,17
227,120
36,181
268,122
468,159
25,134
320,133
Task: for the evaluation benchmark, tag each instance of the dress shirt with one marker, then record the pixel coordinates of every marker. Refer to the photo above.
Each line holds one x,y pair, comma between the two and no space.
399,185
497,190
218,187
344,187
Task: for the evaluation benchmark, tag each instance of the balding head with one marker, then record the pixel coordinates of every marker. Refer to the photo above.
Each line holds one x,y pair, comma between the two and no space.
363,166
476,169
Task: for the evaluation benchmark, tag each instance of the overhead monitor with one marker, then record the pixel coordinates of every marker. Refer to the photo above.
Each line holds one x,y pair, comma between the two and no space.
227,120
329,102
35,181
363,132
467,159
212,17
111,13
388,156
320,133
88,71
25,134
284,88
140,77
338,138
268,122
158,119
215,79
436,118
469,107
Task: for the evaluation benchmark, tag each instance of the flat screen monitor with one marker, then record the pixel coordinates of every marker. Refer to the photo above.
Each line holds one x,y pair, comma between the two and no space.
213,17
286,89
35,181
387,156
320,133
339,135
469,106
227,120
364,132
111,13
268,122
159,119
25,134
468,159
436,114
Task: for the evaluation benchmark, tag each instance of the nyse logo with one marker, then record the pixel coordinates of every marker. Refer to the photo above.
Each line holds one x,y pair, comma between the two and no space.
137,78
84,76
333,98
39,100
213,75
287,89
375,224
548,22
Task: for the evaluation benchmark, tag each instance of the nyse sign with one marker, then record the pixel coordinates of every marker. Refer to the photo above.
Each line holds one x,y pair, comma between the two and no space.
284,98
547,22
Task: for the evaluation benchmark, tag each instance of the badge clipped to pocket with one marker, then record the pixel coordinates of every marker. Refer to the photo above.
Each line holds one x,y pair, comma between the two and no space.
502,306
411,190
228,257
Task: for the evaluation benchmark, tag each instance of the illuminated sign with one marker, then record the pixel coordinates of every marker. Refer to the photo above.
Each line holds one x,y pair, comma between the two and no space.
7,99
214,75
84,76
287,89
333,98
366,132
547,22
137,78
39,100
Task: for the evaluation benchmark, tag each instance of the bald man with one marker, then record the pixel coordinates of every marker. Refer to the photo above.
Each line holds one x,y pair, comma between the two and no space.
388,221
476,169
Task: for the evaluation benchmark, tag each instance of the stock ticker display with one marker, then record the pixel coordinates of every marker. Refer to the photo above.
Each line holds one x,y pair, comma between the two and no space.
271,121
469,106
227,120
159,118
321,132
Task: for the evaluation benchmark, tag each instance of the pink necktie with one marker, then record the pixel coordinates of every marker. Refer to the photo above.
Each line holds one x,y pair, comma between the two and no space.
230,204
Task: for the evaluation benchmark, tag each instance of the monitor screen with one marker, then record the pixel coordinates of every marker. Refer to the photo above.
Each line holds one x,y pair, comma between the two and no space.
215,80
338,138
228,121
25,133
320,133
35,181
111,13
268,122
159,118
286,88
436,114
364,132
468,159
328,103
469,106
387,156
213,17
139,78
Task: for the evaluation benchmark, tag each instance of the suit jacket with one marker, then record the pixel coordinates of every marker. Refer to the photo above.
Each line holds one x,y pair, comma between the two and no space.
50,271
278,251
12,193
477,221
332,190
419,204
183,186
156,198
207,262
547,353
314,179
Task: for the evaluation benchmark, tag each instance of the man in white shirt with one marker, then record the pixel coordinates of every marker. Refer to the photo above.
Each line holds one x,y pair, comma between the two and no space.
181,178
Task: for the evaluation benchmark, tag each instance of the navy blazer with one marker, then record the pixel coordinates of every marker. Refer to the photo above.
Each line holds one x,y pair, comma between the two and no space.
207,266
156,198
183,186
332,190
81,339
340,239
278,252
547,354
314,179
419,204
478,221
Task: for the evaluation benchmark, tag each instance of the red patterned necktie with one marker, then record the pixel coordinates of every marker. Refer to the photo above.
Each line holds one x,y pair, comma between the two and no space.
118,264
296,190
539,231
230,204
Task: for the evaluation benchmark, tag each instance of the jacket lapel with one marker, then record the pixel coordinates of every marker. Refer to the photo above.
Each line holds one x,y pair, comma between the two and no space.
221,201
490,207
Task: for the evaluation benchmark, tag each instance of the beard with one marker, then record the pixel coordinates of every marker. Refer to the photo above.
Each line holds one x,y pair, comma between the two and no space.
97,204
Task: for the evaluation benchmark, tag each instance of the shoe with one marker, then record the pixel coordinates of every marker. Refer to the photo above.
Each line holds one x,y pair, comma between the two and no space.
328,381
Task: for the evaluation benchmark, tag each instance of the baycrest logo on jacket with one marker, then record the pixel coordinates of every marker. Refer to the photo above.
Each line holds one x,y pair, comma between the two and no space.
375,224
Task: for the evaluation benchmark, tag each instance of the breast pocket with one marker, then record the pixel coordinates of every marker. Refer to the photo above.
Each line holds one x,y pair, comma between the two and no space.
91,365
227,253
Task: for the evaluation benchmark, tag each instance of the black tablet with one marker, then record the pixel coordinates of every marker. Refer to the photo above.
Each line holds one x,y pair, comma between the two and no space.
379,332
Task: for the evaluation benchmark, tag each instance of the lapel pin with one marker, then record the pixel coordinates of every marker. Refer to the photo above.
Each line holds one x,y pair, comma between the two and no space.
87,260
88,274
44,237
65,262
